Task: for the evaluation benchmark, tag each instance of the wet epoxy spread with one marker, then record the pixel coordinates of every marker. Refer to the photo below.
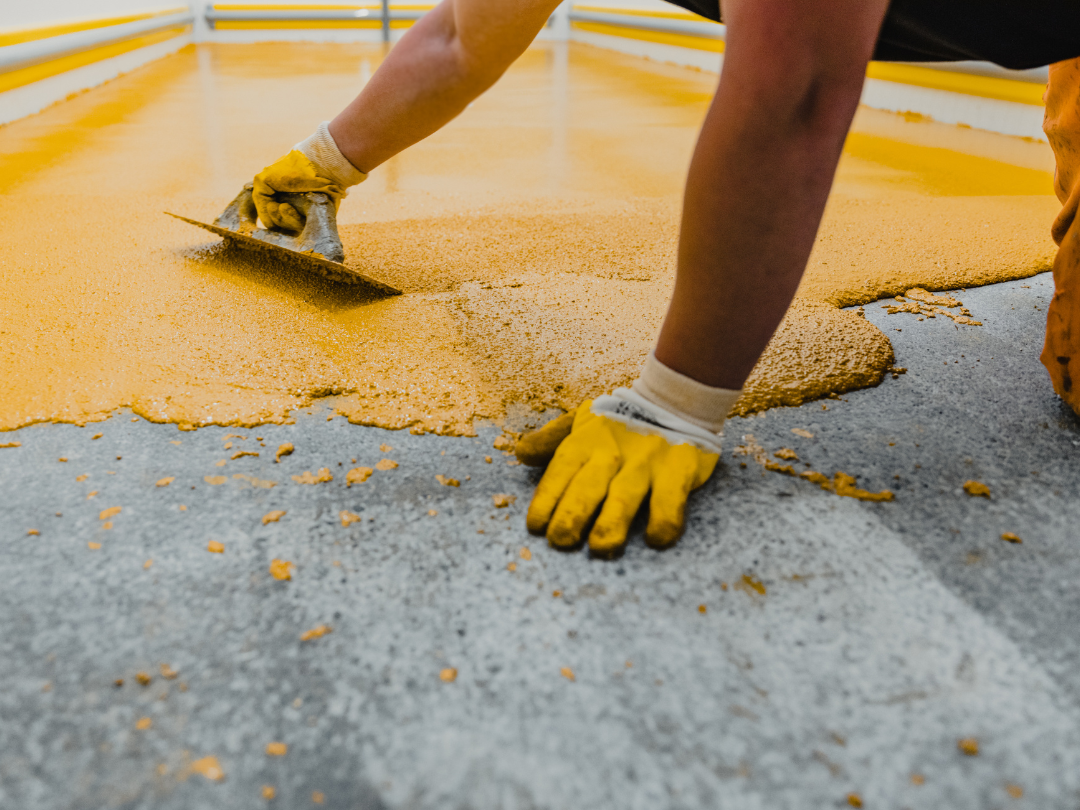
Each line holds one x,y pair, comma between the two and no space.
534,239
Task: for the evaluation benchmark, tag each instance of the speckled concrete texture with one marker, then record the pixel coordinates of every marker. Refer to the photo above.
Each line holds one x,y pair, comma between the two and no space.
887,632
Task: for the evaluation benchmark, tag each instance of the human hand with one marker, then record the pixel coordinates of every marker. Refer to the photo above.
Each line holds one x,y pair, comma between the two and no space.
614,451
314,164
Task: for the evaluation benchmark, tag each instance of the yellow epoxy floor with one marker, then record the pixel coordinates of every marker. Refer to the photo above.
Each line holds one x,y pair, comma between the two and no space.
534,238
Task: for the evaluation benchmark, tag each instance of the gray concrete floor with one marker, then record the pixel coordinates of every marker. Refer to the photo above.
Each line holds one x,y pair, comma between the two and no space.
887,633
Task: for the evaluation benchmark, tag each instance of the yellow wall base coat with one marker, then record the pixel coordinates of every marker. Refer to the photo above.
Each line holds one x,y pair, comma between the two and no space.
534,238
662,37
34,73
19,35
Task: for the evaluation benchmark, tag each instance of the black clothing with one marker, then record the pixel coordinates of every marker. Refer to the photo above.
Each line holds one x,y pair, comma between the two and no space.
1015,34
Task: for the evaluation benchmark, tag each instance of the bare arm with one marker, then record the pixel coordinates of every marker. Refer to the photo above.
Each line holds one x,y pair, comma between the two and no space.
452,55
760,176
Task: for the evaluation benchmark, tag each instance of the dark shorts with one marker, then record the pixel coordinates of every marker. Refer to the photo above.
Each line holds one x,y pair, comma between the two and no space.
1015,34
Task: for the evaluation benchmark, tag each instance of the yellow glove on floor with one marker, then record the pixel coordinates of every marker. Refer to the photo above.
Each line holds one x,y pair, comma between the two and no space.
615,450
314,164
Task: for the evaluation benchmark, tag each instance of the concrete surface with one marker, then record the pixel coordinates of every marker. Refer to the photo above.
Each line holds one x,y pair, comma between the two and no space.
887,633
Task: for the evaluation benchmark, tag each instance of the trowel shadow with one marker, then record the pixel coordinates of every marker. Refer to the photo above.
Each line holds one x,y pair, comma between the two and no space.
279,274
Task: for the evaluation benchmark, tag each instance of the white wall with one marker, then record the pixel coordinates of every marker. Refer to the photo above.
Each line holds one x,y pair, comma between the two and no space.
32,13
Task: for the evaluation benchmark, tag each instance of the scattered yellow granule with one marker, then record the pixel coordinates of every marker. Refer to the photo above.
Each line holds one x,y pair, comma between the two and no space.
321,477
919,294
449,675
316,632
385,448
12,444
806,434
144,678
144,723
318,797
348,518
787,454
147,564
228,446
220,463
432,512
723,586
93,546
511,567
268,792
487,459
525,553
167,672
47,686
33,533
281,569
1014,791
385,464
277,749
182,508
918,779
274,517
108,513
235,436
969,746
854,799
504,443
447,482
844,485
701,609
976,489
164,482
215,480
162,769
749,584
242,453
96,436
91,494
215,547
62,458
567,673
259,483
283,450
107,524
81,478
208,767
629,664
357,475
177,443
502,501
1009,537
556,594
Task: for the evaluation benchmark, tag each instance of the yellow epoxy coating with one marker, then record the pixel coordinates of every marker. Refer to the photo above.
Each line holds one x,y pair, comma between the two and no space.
534,239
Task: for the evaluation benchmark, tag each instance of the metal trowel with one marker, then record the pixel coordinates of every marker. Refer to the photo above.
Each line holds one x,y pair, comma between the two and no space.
317,247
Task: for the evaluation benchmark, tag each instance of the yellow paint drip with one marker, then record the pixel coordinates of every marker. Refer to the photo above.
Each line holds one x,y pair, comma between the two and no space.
534,239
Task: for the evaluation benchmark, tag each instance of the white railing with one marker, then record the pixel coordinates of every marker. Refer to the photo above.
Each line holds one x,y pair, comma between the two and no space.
39,51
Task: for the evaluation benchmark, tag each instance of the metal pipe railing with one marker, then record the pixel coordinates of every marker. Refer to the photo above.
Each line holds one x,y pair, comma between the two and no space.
312,15
39,51
717,31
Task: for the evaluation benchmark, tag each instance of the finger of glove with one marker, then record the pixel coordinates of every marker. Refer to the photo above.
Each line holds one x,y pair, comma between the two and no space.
568,460
673,479
624,497
289,217
582,498
537,448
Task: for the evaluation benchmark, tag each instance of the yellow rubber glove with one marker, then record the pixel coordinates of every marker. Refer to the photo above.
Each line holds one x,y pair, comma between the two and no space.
292,173
614,451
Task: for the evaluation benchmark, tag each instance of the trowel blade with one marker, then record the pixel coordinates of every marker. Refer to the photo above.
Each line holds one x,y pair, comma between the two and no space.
332,270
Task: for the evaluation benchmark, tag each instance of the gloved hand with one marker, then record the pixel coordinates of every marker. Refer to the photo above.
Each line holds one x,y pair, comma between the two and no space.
314,164
614,451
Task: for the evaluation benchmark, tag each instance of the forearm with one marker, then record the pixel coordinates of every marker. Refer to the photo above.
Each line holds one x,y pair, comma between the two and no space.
452,55
756,190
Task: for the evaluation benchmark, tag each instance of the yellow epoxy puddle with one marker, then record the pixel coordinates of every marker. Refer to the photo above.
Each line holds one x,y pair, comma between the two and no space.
534,238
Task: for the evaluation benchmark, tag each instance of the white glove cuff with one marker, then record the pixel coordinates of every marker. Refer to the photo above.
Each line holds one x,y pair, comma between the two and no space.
699,404
322,150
